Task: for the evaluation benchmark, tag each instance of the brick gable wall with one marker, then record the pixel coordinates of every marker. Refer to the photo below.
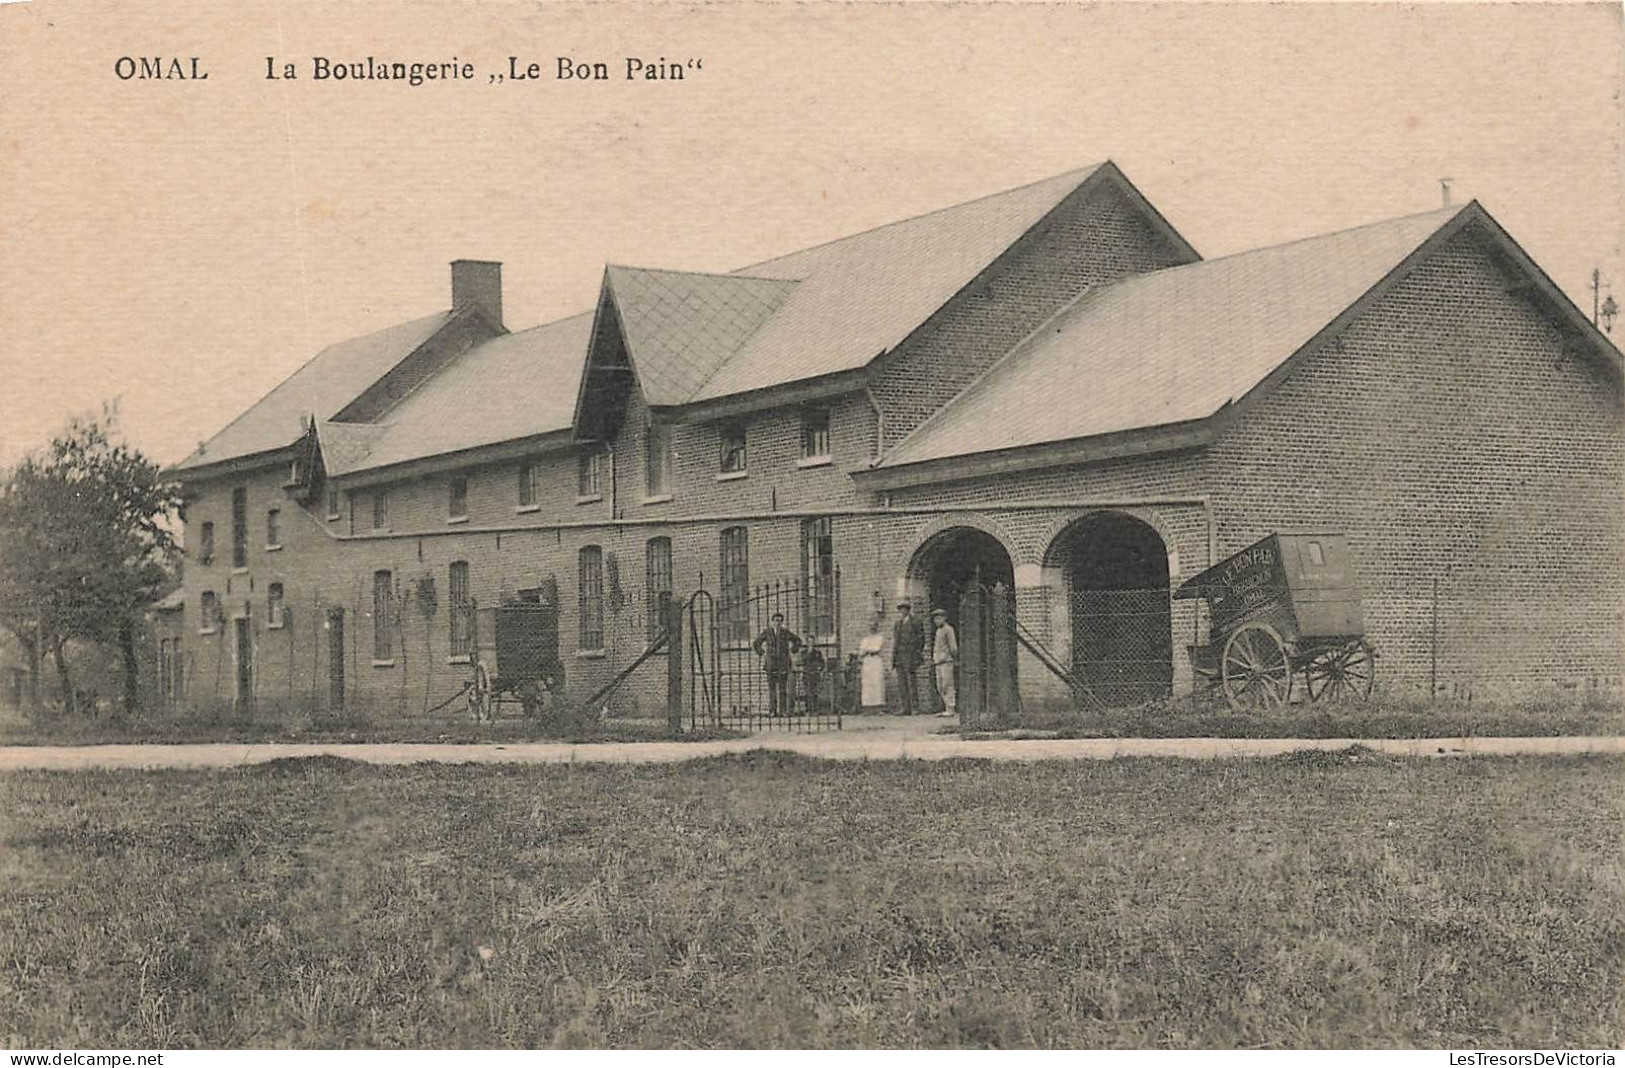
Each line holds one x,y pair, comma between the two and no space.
1450,435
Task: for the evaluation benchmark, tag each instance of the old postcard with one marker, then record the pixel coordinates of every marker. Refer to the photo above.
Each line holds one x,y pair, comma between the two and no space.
648,525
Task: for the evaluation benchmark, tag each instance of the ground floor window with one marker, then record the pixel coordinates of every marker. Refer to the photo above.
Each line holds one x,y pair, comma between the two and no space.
459,608
657,583
734,607
591,599
818,576
383,613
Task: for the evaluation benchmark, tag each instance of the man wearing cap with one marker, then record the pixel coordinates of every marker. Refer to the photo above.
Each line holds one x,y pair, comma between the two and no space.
907,649
775,646
944,656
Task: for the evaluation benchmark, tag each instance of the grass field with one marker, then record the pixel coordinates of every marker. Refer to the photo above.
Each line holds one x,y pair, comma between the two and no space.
1378,718
276,725
1315,900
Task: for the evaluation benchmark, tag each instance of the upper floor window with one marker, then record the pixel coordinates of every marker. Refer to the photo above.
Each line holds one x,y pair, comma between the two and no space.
457,506
527,485
208,612
658,460
657,583
815,434
590,598
273,605
332,502
205,544
383,615
461,609
273,528
731,439
239,527
380,509
590,474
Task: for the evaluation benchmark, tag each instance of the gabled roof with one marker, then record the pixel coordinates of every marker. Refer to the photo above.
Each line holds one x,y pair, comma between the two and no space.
515,386
1168,347
862,295
681,326
324,385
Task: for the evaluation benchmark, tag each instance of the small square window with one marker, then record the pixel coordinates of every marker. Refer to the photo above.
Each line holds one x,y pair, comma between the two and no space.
731,438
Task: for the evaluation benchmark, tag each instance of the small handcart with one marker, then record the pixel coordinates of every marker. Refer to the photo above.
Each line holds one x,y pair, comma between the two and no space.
515,658
1285,606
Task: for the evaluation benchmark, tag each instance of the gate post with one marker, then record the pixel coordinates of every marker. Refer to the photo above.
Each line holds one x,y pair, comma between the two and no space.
1001,640
671,617
973,654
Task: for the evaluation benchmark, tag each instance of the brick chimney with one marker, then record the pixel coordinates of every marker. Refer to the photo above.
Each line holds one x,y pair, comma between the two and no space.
477,282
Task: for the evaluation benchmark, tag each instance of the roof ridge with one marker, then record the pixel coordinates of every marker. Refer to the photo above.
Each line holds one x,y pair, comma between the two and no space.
1082,173
739,274
1453,211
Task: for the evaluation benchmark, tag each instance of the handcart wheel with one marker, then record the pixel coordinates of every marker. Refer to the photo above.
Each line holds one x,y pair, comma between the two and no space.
479,693
1342,672
1256,673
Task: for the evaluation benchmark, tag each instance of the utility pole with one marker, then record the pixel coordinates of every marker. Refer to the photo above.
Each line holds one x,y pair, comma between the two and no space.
1596,296
1444,190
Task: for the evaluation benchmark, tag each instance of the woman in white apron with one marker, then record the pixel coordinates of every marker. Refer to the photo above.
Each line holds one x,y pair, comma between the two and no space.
873,677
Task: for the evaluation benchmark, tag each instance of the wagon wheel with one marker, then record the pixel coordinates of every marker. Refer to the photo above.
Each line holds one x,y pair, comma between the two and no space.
1255,670
479,693
1342,672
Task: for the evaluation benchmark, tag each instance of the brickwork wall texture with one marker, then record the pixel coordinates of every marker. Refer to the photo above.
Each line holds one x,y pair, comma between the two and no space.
1446,431
1093,237
1454,440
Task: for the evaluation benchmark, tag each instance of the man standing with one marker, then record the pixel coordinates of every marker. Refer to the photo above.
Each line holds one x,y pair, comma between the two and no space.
775,646
944,657
907,649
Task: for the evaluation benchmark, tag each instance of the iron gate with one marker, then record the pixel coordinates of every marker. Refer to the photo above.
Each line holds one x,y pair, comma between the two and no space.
733,682
1122,644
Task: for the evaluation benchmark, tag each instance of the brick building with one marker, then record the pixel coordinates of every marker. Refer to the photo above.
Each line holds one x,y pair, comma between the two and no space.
1046,387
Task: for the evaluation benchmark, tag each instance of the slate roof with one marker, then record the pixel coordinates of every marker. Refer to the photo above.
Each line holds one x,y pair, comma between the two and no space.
324,385
864,294
514,386
1167,347
681,326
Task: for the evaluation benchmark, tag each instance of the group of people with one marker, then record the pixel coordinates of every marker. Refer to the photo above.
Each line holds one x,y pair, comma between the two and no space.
777,647
908,652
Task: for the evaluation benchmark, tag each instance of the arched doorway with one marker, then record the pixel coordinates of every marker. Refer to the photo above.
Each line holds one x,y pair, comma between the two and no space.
944,569
949,562
1115,570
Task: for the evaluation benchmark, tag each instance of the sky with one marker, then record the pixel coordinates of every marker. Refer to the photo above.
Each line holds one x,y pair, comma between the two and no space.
183,246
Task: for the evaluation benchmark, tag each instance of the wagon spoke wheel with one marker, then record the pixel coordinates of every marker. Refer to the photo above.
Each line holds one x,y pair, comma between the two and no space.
1254,669
479,693
1341,673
